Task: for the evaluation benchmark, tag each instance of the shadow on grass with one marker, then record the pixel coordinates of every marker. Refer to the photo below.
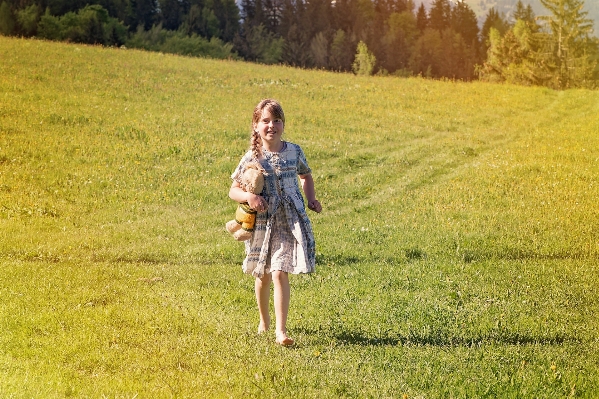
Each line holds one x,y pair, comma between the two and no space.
337,260
410,254
439,340
517,254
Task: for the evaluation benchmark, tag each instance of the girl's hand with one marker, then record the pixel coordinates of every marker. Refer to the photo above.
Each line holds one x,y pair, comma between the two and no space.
315,206
257,203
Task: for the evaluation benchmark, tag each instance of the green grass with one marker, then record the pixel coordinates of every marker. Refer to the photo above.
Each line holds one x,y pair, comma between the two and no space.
457,248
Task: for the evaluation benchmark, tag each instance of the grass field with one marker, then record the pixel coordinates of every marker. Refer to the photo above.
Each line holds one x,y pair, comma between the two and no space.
457,249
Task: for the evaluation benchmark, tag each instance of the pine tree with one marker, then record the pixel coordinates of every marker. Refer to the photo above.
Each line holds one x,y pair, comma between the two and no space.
523,13
568,50
440,15
259,14
363,18
343,15
464,22
142,13
7,20
273,11
427,54
421,18
227,13
319,50
289,16
296,48
317,17
171,14
493,20
341,46
376,31
247,11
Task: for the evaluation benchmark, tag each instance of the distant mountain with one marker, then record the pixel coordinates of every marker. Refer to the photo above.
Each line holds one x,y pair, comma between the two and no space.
482,7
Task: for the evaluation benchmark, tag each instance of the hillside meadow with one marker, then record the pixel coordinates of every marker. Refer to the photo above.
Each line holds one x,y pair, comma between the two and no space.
457,249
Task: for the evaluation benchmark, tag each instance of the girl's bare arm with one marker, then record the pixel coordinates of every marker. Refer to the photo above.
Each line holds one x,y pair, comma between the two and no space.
308,187
255,202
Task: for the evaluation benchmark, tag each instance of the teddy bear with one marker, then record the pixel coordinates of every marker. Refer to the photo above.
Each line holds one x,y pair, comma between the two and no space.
252,180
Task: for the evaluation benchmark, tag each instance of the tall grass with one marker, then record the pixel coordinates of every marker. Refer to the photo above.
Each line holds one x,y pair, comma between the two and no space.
456,254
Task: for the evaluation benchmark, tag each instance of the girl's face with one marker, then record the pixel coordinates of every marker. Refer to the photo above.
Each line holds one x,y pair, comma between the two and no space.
269,127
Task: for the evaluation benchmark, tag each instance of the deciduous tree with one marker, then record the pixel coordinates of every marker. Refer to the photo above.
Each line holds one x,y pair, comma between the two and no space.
511,57
365,61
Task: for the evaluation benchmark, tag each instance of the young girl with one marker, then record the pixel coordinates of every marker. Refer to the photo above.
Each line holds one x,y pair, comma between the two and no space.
282,241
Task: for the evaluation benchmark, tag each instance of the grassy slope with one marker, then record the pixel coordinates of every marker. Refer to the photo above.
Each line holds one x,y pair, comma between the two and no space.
456,251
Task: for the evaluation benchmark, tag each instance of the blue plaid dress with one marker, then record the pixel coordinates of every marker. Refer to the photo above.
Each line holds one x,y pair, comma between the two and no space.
283,238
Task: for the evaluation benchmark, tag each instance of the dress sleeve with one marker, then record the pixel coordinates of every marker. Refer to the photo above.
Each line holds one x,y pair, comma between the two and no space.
236,175
302,163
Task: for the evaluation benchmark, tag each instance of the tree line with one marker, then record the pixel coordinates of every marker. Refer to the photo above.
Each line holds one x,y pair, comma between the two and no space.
364,36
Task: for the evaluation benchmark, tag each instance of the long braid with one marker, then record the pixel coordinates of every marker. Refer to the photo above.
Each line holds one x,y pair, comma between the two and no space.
256,145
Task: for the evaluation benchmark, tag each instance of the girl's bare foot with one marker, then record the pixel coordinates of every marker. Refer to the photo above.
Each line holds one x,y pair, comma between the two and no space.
263,326
283,339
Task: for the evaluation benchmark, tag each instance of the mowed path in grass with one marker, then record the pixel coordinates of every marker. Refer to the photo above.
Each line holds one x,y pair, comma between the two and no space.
456,254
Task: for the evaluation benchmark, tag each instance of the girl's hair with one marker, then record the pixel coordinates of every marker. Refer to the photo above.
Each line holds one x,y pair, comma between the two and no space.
276,111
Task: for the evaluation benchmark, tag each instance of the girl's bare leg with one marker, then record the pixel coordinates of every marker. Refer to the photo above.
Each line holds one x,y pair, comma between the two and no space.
281,299
262,288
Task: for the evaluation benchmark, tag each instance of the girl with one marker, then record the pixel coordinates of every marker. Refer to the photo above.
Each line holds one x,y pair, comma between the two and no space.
282,241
